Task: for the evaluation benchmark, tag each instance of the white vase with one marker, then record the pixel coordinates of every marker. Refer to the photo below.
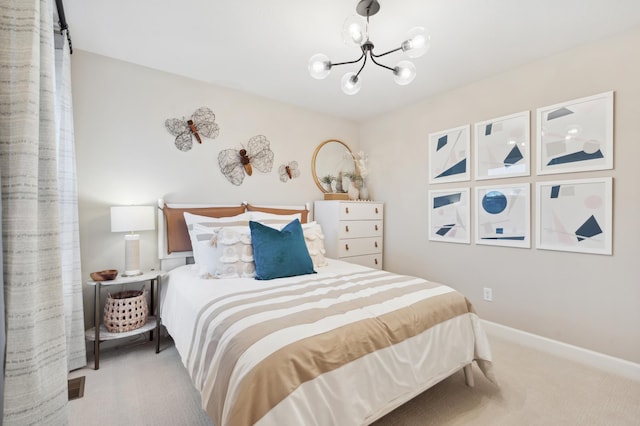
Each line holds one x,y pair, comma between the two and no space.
346,184
364,191
353,192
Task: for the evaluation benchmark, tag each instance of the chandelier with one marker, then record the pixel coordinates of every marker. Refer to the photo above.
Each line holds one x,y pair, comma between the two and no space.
355,32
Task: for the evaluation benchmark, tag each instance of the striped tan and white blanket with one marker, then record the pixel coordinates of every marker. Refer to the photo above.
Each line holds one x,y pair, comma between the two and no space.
343,346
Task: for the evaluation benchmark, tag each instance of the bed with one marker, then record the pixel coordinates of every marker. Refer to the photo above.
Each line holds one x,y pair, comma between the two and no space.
344,344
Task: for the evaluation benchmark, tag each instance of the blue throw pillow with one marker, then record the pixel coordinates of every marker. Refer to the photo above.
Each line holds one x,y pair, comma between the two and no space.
280,254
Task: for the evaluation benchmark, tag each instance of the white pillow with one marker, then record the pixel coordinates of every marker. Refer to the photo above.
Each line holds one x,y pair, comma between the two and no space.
211,222
225,252
314,238
274,219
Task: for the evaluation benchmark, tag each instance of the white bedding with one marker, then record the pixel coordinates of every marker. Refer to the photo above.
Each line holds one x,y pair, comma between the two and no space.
203,317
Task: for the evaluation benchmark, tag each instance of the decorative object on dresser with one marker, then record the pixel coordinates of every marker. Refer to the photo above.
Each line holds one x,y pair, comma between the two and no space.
353,230
201,123
234,164
332,161
131,219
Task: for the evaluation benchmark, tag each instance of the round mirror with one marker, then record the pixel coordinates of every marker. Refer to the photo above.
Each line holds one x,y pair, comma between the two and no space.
331,160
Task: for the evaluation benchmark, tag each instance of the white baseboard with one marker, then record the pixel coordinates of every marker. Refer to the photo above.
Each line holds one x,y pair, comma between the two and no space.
621,367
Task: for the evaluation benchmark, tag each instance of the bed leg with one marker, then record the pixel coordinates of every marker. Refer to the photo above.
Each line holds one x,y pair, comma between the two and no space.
468,375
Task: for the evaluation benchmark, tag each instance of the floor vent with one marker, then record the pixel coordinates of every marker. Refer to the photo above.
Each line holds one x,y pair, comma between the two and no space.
76,388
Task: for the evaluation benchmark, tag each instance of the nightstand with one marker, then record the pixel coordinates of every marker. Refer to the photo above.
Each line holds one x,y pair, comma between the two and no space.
99,332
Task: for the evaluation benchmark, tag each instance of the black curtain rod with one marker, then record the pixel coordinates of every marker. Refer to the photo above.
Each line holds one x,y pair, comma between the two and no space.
62,20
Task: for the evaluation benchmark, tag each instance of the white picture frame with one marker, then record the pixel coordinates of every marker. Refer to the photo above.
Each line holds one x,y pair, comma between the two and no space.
575,136
575,215
503,215
449,155
449,215
502,147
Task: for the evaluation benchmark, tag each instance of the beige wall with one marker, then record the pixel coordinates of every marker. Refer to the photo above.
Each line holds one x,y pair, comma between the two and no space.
125,155
591,301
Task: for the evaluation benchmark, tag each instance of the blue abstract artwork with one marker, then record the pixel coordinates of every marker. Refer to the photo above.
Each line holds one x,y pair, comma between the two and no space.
575,215
449,154
576,135
449,215
502,215
502,147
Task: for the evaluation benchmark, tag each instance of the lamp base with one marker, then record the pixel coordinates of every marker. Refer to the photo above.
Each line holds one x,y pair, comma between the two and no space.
131,255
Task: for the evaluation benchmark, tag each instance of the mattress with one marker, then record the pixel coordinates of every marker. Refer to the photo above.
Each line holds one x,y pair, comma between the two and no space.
343,346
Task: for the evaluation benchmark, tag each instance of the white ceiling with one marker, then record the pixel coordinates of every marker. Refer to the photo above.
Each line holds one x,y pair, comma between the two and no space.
263,47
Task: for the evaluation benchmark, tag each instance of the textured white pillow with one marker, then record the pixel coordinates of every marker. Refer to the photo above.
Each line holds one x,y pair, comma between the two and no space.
270,219
225,252
210,222
314,238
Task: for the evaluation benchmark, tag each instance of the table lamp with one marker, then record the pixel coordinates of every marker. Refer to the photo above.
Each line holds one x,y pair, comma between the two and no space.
131,219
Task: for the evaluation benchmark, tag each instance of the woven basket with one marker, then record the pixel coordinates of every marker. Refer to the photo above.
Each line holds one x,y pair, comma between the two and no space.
126,310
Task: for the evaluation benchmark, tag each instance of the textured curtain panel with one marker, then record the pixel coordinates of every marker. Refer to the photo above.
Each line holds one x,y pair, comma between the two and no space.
36,356
3,336
68,208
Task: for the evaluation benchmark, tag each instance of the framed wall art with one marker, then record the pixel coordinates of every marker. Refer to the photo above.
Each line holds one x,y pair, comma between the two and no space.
576,136
449,152
502,147
449,215
503,215
575,215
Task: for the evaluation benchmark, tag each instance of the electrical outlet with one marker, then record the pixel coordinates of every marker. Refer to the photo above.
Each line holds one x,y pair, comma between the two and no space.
488,294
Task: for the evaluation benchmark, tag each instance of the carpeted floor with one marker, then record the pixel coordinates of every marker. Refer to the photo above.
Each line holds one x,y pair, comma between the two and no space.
134,386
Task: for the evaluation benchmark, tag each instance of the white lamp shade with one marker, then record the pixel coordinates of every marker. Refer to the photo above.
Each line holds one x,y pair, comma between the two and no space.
132,218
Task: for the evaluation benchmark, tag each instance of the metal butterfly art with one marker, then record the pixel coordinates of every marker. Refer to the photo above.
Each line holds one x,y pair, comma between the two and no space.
201,123
289,171
235,164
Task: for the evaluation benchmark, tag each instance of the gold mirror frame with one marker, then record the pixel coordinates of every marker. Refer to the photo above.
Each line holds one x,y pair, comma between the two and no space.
329,159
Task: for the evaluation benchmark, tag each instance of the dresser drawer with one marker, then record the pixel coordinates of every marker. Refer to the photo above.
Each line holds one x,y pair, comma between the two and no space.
371,260
359,246
359,228
360,211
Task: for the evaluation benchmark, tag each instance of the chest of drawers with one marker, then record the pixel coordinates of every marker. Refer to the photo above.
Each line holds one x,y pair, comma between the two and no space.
353,230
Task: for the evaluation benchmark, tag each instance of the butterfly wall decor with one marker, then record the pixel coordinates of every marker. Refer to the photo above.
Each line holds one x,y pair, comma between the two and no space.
201,123
235,164
289,171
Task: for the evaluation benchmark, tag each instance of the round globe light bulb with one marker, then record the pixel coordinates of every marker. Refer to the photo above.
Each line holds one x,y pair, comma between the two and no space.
319,66
354,31
417,42
350,83
404,73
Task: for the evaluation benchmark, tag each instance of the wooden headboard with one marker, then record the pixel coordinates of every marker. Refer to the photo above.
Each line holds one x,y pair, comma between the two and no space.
174,245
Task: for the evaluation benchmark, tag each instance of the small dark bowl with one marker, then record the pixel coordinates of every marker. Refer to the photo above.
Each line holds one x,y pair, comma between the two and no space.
106,275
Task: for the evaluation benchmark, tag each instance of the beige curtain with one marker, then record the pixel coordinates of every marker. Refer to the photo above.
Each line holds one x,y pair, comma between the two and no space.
68,206
35,386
